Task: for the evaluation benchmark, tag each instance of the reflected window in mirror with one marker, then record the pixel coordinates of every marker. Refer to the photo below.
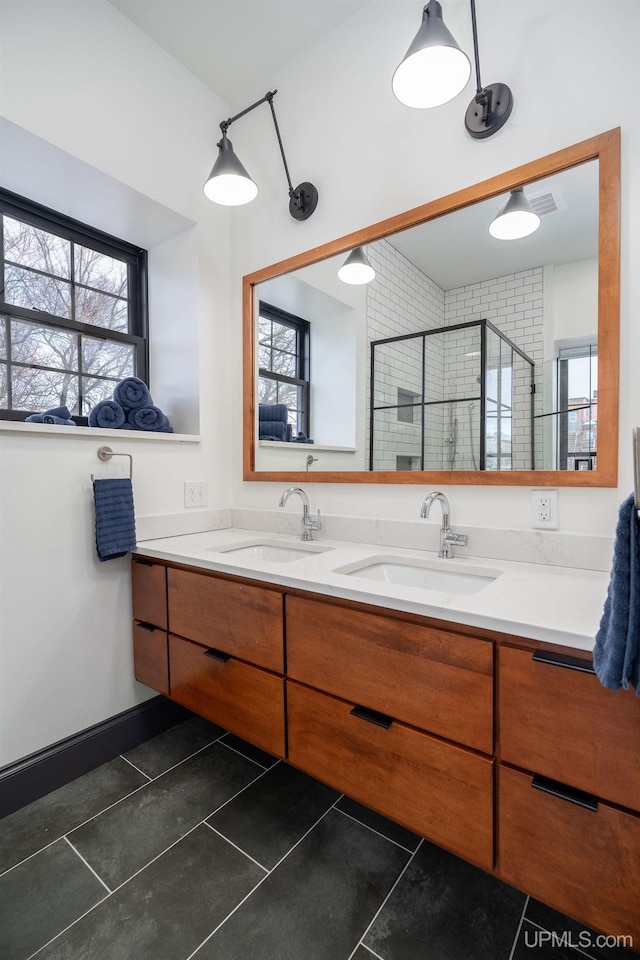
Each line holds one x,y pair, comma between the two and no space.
283,358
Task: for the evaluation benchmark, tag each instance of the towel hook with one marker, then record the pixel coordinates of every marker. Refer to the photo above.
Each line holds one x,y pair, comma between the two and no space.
105,453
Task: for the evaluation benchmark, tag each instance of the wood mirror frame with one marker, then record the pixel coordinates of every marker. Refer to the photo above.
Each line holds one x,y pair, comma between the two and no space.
606,149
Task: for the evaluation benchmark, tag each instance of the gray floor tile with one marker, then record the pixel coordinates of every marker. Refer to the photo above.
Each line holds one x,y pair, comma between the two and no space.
265,759
41,897
127,836
571,932
446,909
157,755
166,911
45,820
387,828
271,815
317,903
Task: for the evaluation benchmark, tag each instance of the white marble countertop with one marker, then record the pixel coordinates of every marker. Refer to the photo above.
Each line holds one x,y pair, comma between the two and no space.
554,604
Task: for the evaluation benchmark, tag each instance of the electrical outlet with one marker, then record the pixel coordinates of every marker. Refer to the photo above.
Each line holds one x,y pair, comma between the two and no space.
544,509
195,493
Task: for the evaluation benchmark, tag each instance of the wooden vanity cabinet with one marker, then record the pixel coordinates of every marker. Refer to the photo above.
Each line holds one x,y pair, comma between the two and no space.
569,788
149,606
397,711
221,653
242,698
438,790
370,699
433,679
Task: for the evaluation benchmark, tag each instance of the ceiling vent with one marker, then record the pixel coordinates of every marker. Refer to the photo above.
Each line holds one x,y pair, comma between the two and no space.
547,201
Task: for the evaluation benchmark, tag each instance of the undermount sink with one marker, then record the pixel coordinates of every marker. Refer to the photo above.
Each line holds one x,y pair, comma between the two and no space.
444,576
273,551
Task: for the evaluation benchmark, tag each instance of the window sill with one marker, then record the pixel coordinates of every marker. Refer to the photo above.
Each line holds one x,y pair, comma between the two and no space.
292,445
20,427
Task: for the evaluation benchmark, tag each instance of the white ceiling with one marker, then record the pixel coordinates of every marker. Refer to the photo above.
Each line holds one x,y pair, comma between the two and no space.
231,45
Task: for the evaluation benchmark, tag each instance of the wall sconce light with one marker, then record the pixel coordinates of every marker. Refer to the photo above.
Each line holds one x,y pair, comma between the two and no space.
356,269
230,185
515,219
435,70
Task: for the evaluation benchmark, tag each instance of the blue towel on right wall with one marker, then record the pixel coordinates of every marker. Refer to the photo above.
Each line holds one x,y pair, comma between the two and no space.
616,655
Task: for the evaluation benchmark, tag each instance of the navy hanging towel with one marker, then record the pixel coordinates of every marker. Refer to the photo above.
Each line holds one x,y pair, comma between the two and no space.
115,517
616,655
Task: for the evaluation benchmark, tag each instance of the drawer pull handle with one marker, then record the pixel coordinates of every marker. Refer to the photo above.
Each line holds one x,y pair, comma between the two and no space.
563,660
146,626
372,716
563,792
145,563
218,655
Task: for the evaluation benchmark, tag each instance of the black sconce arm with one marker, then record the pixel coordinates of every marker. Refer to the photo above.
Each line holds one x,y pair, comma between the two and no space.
303,199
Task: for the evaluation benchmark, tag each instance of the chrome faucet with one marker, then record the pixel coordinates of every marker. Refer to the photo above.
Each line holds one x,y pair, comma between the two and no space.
447,538
309,523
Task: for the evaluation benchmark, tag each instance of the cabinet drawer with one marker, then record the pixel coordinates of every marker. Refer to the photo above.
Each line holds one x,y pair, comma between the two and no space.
439,681
243,699
241,619
149,592
151,657
436,789
564,724
583,863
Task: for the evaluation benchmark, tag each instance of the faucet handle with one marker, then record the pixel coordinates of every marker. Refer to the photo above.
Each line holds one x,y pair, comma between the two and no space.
313,523
460,538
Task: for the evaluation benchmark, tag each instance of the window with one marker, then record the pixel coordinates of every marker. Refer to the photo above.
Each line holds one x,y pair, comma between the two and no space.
283,360
72,313
578,404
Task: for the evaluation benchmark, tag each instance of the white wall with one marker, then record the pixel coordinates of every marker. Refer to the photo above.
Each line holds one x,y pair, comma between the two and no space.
371,157
109,108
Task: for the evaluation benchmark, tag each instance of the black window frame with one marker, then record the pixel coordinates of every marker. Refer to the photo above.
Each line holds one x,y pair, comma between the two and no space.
302,330
21,208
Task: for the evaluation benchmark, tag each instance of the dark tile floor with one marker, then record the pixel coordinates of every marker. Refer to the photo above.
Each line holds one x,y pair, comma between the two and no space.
198,846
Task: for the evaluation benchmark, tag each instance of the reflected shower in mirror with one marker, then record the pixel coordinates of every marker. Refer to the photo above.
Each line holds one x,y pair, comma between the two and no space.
465,354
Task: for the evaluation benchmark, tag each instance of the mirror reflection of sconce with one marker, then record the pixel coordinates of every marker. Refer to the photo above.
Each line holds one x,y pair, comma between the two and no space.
230,185
356,269
434,70
515,219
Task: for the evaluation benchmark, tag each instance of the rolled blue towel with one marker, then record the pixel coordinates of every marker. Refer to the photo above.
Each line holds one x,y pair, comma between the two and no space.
273,411
132,394
616,655
274,430
301,437
59,415
115,517
107,414
49,418
148,418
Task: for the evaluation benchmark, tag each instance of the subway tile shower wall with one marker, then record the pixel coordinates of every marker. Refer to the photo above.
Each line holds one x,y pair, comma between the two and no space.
402,300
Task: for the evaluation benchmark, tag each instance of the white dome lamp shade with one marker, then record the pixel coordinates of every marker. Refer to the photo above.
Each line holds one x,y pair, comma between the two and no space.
229,183
516,219
356,269
434,69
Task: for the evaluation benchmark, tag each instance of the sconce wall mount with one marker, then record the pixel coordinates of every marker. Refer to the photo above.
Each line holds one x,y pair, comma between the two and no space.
230,184
435,70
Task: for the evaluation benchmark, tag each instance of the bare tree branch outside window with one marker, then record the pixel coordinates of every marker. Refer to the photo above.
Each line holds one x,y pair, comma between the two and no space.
48,277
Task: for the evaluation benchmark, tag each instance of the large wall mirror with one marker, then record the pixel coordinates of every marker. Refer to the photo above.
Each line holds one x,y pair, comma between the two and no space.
466,359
